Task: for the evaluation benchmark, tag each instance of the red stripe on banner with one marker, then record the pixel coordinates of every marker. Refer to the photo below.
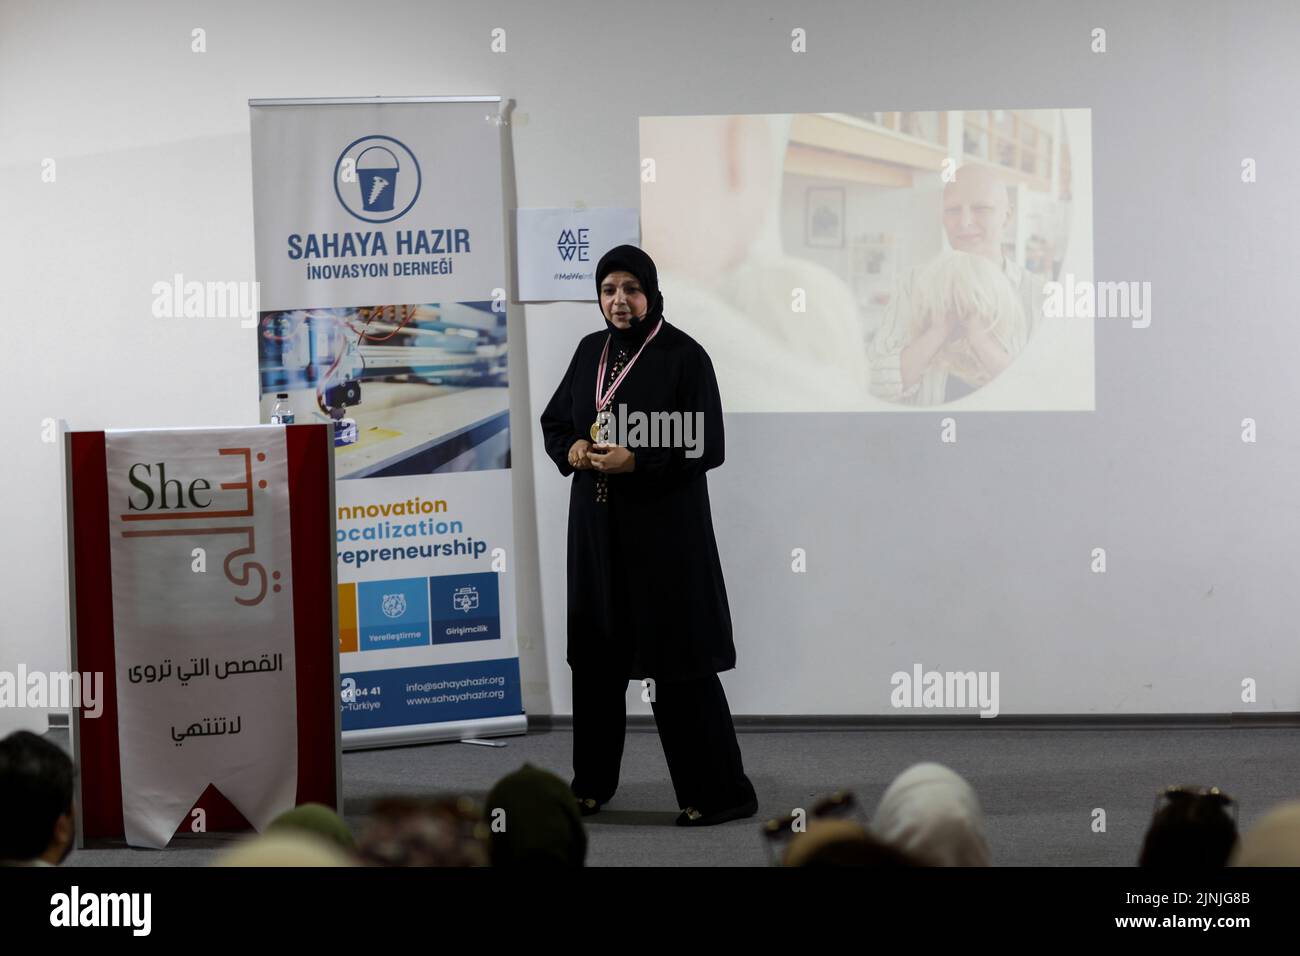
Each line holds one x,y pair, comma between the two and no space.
100,768
219,814
311,497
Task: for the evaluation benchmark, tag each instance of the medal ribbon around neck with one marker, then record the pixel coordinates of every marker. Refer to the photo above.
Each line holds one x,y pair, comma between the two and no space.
603,396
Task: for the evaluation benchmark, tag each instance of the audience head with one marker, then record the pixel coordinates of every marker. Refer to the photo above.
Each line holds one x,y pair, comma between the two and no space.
1273,841
413,831
318,819
284,847
1192,827
933,815
37,821
842,843
534,821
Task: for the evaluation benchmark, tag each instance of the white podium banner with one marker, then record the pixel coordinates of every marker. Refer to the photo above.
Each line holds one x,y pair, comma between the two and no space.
203,622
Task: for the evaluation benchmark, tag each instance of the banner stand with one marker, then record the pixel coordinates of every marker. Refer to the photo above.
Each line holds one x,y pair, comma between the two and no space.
380,243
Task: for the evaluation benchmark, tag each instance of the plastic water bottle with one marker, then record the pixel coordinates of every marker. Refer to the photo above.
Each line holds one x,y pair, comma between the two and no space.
282,414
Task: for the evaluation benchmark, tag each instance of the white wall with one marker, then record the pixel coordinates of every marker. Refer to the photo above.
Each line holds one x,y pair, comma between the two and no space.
959,557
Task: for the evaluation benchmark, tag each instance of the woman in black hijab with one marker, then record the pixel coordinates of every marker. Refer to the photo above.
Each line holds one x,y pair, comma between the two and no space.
646,595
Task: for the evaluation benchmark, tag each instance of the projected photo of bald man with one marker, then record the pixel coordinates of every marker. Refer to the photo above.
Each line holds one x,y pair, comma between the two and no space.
886,261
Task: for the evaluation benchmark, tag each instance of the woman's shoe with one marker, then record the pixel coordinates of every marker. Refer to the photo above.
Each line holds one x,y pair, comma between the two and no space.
587,806
691,817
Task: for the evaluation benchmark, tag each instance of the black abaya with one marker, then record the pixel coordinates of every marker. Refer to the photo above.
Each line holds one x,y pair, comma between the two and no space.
646,597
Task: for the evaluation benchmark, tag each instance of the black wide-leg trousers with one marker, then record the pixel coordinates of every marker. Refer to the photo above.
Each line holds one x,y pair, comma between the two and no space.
695,729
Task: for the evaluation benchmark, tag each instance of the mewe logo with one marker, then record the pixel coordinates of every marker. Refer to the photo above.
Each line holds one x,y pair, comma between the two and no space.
573,245
207,300
946,690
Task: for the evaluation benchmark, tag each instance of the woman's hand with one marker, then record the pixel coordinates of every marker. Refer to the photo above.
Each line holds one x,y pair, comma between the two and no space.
611,459
578,460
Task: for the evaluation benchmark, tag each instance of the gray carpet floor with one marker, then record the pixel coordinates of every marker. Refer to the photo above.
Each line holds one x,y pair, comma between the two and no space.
1038,787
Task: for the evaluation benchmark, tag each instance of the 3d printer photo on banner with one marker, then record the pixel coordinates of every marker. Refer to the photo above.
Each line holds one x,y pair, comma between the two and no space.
381,260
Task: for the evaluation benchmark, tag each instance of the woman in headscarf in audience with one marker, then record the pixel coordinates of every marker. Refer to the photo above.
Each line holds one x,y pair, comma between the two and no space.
318,819
534,821
1273,841
284,848
933,815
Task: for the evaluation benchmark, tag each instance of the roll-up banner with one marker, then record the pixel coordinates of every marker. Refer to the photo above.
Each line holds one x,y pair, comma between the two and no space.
381,264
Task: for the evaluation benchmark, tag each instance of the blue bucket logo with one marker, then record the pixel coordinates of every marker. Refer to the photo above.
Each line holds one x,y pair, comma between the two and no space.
386,179
377,171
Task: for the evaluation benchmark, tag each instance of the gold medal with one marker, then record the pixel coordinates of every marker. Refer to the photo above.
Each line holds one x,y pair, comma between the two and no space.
600,427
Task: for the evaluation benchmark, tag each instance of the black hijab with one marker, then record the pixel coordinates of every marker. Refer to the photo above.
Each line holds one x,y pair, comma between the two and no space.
633,260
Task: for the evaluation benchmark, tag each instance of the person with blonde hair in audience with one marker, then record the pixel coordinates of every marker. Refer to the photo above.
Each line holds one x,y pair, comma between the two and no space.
933,815
1273,841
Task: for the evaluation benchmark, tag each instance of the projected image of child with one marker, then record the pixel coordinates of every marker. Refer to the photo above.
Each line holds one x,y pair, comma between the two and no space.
929,359
962,305
986,328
